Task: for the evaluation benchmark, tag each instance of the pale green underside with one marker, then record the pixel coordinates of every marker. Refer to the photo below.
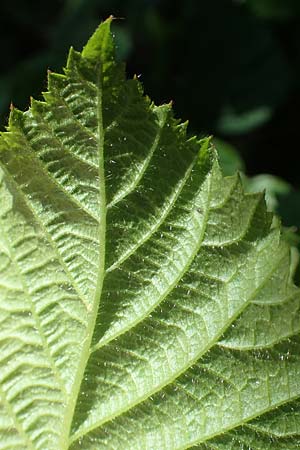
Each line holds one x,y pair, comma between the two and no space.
146,302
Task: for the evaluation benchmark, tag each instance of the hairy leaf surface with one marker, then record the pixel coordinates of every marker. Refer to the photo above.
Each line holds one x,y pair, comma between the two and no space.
146,301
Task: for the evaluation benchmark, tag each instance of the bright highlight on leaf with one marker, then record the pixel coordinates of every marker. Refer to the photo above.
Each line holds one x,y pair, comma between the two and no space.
146,301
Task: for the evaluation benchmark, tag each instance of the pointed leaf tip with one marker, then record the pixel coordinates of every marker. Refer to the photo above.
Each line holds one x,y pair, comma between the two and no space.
100,46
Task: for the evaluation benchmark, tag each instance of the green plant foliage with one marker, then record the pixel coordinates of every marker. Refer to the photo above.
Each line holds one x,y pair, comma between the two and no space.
229,158
275,9
274,187
279,195
146,302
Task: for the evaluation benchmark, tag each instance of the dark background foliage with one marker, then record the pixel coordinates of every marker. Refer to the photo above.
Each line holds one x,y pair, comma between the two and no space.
231,66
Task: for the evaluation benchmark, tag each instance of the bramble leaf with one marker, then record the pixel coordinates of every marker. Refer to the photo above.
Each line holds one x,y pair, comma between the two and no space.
146,301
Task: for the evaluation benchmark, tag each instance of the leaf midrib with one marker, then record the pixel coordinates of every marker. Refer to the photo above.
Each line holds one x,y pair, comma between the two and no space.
110,337
85,352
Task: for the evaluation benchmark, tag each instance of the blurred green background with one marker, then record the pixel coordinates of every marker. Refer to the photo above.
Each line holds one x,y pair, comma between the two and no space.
232,67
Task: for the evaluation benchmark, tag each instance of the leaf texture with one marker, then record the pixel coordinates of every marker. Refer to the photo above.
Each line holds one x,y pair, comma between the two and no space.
146,301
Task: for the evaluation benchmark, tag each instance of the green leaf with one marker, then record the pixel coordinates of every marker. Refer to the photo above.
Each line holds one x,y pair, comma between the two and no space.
274,187
234,122
146,302
229,158
275,9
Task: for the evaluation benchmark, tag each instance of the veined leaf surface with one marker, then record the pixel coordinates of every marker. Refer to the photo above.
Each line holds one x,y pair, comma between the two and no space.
146,301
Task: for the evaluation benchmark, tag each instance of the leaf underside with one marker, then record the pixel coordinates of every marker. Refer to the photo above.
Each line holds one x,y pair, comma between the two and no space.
146,301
